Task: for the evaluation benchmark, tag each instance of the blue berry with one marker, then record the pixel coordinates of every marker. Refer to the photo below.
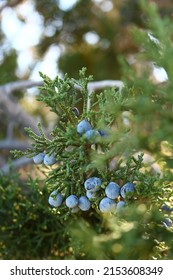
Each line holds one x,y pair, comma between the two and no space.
167,222
84,204
38,159
91,194
92,183
55,199
107,205
49,160
83,126
91,134
75,209
71,201
120,205
165,208
103,132
76,111
112,190
127,189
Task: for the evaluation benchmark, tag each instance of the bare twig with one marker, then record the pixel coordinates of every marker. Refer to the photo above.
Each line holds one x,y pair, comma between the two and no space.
15,164
13,109
19,85
93,86
15,112
11,144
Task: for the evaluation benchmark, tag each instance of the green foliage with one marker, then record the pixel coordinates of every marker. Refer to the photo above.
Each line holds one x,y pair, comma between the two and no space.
39,232
151,104
111,158
29,229
78,158
134,234
8,63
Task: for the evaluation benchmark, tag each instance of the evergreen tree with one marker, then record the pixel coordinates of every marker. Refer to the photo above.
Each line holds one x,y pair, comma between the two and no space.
107,173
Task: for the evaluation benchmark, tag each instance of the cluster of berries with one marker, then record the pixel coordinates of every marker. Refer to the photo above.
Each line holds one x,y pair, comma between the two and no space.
93,188
111,200
84,128
166,208
167,222
108,201
45,159
72,201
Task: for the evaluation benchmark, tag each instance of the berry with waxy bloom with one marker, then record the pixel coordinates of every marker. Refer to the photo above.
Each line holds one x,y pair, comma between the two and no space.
127,190
71,201
38,159
112,190
107,205
92,183
91,134
121,205
49,160
84,203
91,194
55,199
83,126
